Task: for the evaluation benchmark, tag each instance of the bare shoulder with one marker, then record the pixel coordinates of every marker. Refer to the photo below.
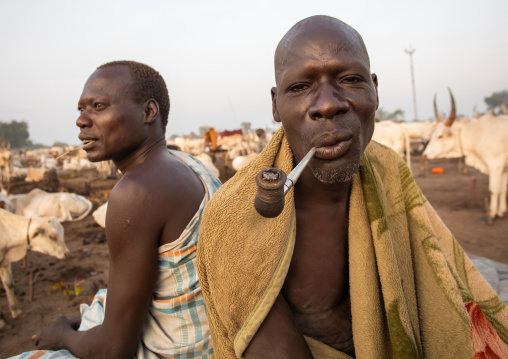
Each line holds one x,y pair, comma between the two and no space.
163,192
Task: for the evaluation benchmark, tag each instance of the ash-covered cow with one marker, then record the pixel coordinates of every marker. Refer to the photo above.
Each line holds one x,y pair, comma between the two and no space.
64,206
395,136
19,234
484,144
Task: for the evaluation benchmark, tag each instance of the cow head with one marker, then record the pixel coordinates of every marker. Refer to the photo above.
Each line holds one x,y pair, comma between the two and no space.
46,235
444,140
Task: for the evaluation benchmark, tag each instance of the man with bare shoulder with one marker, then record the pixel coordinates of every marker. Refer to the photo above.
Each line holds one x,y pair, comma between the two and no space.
357,263
155,307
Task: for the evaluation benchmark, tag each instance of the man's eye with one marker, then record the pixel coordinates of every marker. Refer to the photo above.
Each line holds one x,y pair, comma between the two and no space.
351,80
98,106
81,109
298,88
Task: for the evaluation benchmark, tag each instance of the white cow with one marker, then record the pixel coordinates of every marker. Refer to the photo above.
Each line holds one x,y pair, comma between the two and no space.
194,146
484,143
17,235
419,130
242,161
64,206
393,135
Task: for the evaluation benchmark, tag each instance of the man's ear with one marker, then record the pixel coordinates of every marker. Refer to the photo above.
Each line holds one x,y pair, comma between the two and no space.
276,116
151,109
374,79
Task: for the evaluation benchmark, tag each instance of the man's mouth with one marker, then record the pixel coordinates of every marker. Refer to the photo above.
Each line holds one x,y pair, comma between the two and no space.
331,151
87,143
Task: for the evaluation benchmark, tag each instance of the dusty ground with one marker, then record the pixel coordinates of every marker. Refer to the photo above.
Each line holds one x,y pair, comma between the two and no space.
451,194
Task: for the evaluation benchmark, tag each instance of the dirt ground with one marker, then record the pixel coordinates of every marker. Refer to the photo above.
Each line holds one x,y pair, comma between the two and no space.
451,193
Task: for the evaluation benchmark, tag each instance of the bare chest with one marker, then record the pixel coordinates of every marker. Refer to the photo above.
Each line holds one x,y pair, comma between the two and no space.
317,284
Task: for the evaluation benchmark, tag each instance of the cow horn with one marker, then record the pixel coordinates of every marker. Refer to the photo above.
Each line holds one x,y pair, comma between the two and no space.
436,112
503,106
451,118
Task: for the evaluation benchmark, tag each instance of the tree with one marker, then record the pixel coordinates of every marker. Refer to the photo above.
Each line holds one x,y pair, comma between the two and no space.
16,133
496,99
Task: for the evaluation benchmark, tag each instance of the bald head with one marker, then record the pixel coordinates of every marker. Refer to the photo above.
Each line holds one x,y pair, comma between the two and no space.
323,33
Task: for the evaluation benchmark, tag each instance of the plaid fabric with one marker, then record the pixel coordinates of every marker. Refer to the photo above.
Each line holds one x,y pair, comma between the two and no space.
176,325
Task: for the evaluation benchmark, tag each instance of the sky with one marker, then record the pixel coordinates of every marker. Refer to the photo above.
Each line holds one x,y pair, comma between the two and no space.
217,56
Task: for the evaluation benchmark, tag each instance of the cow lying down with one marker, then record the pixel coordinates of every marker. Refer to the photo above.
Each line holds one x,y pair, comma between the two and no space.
19,234
64,206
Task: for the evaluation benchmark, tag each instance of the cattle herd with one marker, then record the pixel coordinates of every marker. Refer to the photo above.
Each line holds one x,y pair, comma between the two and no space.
482,141
32,220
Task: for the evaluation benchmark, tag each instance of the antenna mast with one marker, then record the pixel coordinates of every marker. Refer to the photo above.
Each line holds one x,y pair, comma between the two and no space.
410,52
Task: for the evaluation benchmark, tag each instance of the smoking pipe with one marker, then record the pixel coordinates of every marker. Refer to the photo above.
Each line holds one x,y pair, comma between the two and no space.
273,184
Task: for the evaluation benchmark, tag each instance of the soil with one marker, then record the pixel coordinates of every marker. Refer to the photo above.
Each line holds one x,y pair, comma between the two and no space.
452,193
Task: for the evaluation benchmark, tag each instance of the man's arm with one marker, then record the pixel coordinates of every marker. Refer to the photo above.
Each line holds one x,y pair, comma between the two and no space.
278,336
133,231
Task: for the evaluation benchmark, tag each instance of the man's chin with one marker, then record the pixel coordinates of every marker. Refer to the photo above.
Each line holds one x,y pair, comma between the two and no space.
93,157
337,175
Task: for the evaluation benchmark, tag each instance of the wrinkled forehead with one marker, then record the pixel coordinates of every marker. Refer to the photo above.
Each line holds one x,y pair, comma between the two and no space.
320,39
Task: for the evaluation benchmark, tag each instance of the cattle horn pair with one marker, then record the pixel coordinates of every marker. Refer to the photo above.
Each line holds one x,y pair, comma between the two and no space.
453,112
273,184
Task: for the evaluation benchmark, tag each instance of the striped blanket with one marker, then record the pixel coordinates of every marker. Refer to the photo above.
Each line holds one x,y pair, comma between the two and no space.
176,325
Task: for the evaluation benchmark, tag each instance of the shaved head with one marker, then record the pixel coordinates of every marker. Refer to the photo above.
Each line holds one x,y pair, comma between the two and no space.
325,96
318,31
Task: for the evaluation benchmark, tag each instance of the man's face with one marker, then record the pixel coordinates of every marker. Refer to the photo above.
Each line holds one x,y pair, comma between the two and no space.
109,116
326,98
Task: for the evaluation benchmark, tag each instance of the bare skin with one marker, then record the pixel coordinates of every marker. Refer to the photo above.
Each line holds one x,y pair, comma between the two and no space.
150,206
325,98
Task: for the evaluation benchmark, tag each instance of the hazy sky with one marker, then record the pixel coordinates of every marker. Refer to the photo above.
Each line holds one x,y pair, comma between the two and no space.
217,56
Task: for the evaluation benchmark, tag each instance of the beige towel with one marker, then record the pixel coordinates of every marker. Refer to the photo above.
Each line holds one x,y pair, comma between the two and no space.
414,293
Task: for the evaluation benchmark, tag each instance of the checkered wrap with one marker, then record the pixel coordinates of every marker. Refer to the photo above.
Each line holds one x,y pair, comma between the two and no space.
176,325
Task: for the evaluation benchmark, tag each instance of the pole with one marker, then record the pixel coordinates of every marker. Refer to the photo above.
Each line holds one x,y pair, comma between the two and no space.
410,52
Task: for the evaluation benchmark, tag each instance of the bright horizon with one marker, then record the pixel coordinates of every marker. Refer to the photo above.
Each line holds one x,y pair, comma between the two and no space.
217,57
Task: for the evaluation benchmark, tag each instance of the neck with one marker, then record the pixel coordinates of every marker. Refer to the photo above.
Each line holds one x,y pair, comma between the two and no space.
146,150
309,190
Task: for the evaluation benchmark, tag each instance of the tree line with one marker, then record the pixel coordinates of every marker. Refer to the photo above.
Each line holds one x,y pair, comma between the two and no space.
15,133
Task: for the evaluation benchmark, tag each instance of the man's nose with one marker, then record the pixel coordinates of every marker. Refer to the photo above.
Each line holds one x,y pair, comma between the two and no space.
83,120
328,102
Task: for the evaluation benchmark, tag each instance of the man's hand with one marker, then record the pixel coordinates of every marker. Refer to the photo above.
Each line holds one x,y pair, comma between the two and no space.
52,337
